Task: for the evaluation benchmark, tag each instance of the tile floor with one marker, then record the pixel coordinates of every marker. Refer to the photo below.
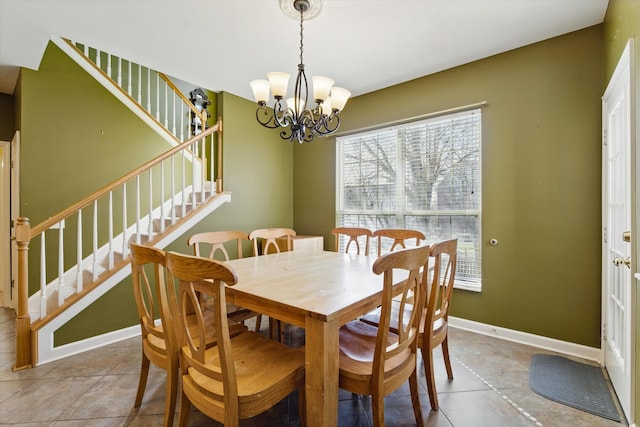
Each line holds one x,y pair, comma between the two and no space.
97,388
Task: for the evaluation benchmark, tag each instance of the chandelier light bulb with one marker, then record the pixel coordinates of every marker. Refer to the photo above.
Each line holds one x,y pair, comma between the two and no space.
339,97
260,89
279,83
326,106
321,87
291,103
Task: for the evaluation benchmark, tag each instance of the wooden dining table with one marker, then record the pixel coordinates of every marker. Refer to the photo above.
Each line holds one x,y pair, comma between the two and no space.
318,291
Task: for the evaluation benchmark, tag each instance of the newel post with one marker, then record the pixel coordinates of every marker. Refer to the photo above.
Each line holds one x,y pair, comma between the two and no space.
23,321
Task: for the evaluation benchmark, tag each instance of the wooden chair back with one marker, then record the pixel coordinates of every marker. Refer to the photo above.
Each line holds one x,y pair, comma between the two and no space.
378,360
268,236
148,277
264,240
443,278
210,380
399,237
353,233
207,244
435,329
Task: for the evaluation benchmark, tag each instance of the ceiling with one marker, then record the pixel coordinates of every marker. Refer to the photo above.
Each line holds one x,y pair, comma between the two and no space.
223,44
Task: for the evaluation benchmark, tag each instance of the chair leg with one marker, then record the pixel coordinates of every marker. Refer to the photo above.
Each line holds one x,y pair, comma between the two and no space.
281,327
445,354
142,382
377,409
258,322
302,405
273,328
185,407
427,358
415,397
172,394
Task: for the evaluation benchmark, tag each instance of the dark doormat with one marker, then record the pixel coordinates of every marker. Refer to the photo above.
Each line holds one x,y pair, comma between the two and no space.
571,383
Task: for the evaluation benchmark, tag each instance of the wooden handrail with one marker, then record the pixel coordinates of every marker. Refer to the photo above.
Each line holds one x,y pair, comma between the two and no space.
178,92
46,224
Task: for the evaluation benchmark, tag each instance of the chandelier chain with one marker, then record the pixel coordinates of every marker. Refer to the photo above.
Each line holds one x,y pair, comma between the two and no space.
301,34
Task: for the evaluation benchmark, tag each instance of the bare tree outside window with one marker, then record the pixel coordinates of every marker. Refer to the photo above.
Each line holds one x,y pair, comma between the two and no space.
424,175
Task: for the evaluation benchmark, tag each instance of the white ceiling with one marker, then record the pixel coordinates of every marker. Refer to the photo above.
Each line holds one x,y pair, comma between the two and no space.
364,45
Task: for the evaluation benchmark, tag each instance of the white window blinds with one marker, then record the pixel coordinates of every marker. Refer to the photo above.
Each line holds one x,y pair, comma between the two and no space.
423,175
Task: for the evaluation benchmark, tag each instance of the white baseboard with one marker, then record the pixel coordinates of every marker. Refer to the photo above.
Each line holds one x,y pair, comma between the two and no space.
564,347
50,353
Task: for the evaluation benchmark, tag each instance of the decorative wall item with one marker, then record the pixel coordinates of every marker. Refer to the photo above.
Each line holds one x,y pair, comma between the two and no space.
201,101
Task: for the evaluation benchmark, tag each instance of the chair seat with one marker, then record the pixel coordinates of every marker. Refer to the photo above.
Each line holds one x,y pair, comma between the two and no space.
357,347
373,318
235,313
156,343
262,381
160,346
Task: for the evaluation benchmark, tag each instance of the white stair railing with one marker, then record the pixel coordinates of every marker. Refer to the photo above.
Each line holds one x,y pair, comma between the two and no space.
66,271
151,90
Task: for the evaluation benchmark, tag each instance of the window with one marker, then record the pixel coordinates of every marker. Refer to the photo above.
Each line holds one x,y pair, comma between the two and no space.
423,175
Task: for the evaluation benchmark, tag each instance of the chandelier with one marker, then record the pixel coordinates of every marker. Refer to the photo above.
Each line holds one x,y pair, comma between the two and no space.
299,122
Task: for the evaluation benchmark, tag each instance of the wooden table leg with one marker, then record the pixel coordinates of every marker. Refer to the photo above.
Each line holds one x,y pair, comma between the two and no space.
321,372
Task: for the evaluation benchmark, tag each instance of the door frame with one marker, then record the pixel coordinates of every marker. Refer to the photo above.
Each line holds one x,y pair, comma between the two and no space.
5,227
9,195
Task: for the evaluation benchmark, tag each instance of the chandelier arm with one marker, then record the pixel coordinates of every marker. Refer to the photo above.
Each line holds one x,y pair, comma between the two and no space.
269,119
328,125
281,116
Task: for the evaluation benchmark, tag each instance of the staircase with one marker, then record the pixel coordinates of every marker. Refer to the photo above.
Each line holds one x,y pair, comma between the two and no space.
89,242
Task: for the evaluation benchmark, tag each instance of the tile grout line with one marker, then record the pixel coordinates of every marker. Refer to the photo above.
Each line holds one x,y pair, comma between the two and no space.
502,395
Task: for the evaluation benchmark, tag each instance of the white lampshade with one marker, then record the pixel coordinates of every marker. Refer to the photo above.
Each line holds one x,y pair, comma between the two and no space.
321,87
326,106
260,89
279,82
292,106
339,97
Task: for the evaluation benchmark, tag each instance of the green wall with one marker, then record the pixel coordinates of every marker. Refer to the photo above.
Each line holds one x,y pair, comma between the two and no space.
76,138
257,171
622,22
541,180
7,119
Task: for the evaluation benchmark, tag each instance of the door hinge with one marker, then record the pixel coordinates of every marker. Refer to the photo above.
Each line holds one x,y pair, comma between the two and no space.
604,331
604,234
604,137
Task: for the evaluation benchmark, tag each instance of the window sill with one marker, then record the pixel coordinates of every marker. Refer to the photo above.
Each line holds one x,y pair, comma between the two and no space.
468,286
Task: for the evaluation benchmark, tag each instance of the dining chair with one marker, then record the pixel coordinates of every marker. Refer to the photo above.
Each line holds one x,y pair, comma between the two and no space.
211,244
374,360
155,349
399,237
208,243
243,375
353,233
265,239
434,326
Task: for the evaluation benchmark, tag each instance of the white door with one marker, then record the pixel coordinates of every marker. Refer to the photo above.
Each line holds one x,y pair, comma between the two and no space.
617,229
